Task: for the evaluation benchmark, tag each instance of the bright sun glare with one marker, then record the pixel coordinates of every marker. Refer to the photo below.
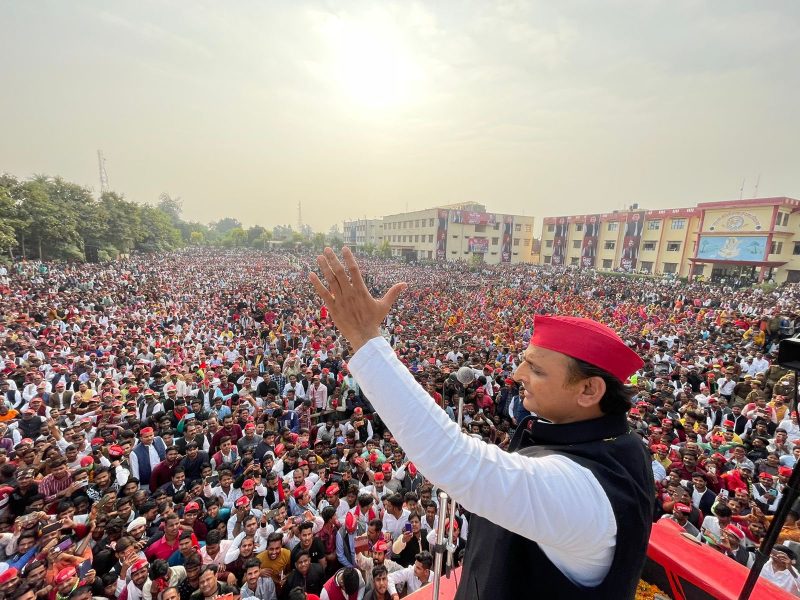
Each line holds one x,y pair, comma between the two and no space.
372,67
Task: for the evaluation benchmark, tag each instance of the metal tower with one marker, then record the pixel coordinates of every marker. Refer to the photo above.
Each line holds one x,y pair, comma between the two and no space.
299,217
101,164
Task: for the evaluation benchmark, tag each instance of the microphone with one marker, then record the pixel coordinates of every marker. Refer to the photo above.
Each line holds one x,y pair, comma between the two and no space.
465,376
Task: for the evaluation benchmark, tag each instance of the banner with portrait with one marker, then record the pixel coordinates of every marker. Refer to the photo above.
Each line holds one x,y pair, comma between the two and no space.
441,235
634,225
560,242
591,234
505,244
478,244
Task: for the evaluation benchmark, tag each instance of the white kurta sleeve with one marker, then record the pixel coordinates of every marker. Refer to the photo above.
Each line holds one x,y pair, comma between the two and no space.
551,499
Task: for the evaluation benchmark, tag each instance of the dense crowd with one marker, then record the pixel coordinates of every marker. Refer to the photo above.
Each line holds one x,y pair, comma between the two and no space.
184,426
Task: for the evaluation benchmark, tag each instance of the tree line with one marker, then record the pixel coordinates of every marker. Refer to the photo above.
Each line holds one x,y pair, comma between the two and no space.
49,218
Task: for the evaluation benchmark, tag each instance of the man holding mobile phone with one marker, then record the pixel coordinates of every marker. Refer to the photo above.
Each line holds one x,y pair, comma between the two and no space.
780,569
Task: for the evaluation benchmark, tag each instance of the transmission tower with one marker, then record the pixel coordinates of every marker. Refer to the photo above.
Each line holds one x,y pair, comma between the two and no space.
299,217
101,164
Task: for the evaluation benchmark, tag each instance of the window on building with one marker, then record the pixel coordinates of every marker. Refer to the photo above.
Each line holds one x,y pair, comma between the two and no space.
516,241
547,259
416,239
776,248
430,238
796,249
529,228
698,268
576,243
416,223
673,246
518,227
612,226
495,241
551,228
548,243
609,245
578,226
607,262
480,228
573,260
654,225
646,266
648,246
678,224
670,267
526,242
455,237
496,226
452,252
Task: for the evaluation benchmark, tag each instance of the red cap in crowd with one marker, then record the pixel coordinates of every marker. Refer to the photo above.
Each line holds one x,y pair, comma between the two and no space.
249,484
146,431
8,575
191,506
350,522
65,574
333,489
242,501
586,340
379,477
298,492
680,507
380,546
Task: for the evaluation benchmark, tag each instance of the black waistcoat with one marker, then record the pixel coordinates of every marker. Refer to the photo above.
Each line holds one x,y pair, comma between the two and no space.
501,565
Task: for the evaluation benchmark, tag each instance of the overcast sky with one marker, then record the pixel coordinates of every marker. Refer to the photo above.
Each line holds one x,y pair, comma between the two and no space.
244,108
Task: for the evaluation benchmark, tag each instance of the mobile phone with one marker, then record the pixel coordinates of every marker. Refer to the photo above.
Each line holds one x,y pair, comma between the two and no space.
407,527
188,416
64,545
84,568
270,514
51,528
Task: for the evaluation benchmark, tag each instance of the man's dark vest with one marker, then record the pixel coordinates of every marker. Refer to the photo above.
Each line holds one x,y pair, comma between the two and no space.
502,565
143,456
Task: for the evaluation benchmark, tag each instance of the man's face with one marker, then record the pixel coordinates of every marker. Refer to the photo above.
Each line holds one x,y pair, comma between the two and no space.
544,376
171,527
274,549
185,546
306,537
139,577
147,438
251,577
172,455
60,472
208,583
699,483
421,572
246,547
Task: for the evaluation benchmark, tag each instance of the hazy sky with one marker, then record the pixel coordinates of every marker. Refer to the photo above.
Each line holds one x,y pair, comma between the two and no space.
244,108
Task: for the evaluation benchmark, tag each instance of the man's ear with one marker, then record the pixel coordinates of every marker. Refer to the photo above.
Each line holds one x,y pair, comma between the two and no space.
591,390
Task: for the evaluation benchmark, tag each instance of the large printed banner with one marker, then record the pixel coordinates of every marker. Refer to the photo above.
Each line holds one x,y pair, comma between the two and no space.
560,242
479,245
742,248
441,235
505,246
634,225
591,233
467,217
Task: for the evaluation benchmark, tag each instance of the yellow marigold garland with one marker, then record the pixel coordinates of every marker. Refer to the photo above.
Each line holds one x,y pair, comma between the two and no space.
648,591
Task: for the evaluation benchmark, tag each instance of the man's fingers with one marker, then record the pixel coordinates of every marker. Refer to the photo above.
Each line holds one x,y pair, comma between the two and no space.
337,268
333,283
352,267
322,291
390,297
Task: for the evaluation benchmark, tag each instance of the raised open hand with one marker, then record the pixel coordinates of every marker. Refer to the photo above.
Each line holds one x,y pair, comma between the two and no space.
355,312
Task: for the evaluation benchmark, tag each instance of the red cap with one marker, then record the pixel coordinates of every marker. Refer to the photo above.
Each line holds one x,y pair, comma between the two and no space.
586,340
249,484
65,574
8,575
350,522
386,467
116,451
666,422
379,477
734,530
727,424
249,426
765,476
718,456
133,390
412,469
242,501
146,431
683,508
86,461
298,492
98,441
785,471
191,506
380,546
140,564
359,461
634,411
333,490
279,449
358,410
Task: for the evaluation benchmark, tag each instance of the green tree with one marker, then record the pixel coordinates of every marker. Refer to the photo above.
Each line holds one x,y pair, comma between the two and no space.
385,250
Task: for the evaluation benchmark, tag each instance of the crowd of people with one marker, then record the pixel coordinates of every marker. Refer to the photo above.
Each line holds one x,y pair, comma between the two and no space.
184,426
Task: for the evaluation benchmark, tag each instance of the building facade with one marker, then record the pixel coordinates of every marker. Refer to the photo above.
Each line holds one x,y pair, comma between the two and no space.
362,232
746,240
455,232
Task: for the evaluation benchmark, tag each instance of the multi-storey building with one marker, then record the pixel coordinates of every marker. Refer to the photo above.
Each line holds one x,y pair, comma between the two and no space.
748,240
455,232
362,232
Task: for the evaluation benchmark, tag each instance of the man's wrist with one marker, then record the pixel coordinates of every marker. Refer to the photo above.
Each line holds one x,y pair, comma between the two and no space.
360,340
